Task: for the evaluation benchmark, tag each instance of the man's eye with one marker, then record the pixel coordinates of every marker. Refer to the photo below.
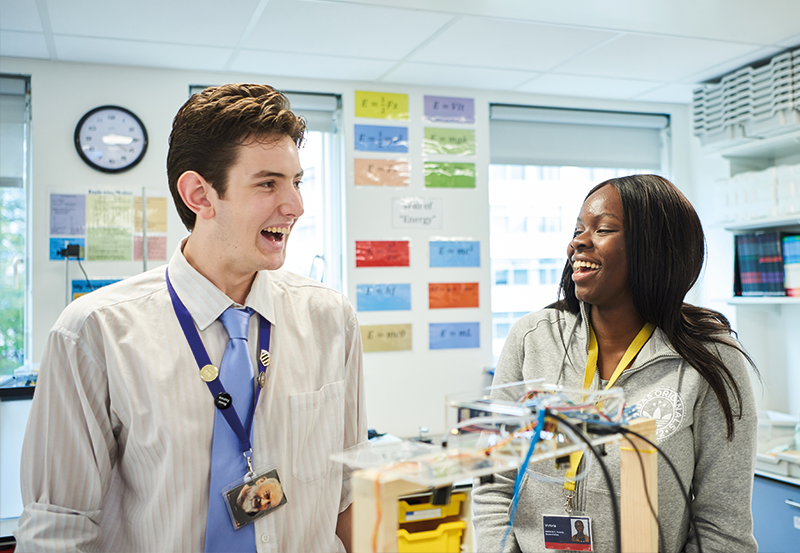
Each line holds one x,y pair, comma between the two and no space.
298,183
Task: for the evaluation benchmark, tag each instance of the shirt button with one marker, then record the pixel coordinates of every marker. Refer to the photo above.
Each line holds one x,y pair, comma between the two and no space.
264,538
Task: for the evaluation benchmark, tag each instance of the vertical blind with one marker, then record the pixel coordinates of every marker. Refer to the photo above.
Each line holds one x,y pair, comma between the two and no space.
528,135
13,96
319,110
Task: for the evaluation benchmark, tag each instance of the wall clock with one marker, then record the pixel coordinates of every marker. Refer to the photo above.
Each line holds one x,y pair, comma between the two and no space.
111,139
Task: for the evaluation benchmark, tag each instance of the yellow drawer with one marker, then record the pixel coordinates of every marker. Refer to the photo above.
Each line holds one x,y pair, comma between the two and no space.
445,539
425,511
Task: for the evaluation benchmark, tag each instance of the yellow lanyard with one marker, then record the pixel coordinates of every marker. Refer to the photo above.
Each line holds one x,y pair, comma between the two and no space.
591,367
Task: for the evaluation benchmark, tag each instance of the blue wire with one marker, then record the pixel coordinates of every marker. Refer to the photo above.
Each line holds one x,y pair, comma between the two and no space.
520,474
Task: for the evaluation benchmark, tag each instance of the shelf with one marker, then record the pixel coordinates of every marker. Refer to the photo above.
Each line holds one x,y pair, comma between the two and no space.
779,146
764,300
775,222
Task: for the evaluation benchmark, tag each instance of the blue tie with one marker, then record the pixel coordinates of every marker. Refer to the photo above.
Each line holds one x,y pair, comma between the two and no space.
227,462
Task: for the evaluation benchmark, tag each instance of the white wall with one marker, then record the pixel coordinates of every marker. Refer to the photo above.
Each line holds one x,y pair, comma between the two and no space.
404,390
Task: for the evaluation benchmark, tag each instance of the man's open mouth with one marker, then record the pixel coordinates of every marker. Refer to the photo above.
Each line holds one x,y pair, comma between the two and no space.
275,233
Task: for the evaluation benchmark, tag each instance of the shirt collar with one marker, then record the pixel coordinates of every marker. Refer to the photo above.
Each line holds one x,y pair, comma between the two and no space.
205,301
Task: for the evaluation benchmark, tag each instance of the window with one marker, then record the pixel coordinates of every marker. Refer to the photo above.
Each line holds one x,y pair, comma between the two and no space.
544,161
316,242
14,132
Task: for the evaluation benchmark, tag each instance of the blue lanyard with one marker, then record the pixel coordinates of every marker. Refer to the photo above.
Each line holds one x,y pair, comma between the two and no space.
215,386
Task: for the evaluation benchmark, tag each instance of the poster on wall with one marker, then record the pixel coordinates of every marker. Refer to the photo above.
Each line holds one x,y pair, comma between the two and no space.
380,172
381,105
379,138
382,253
395,337
84,286
383,297
417,213
456,142
447,295
454,335
449,175
445,109
109,224
455,253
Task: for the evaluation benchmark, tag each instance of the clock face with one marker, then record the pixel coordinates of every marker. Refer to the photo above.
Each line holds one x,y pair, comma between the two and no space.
111,139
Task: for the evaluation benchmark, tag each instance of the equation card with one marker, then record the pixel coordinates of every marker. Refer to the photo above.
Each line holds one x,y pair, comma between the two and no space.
457,142
455,253
449,175
454,335
386,337
443,295
380,172
377,138
443,109
381,105
382,253
383,297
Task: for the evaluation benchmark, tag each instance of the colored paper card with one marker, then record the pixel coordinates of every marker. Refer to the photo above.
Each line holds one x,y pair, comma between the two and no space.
457,142
109,209
416,213
83,287
156,248
382,253
67,214
57,244
443,295
454,335
386,337
383,297
449,175
381,172
156,214
109,244
443,109
377,138
455,253
381,105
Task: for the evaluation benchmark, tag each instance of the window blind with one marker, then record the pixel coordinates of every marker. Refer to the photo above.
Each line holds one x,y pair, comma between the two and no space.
528,135
13,95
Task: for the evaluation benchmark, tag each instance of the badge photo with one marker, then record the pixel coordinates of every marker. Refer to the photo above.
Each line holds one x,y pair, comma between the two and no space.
255,498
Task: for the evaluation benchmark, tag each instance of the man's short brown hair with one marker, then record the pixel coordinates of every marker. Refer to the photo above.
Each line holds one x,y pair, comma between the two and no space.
212,124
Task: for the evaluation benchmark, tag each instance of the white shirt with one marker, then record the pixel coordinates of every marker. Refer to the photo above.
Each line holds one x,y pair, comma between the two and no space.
118,446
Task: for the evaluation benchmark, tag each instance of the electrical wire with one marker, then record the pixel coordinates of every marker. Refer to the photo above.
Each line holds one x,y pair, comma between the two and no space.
88,282
606,475
686,497
647,493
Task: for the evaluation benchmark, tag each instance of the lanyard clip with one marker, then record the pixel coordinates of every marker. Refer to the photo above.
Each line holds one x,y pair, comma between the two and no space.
248,456
568,495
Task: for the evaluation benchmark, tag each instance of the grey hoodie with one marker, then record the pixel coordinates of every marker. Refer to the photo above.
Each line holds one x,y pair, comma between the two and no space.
691,431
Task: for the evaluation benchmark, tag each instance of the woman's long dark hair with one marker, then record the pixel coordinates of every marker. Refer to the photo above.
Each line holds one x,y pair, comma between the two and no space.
666,248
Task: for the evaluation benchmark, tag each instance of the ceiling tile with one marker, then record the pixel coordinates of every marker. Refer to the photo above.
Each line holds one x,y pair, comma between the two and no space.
23,45
150,54
652,57
425,74
19,16
591,87
670,94
201,22
342,30
309,66
716,71
508,44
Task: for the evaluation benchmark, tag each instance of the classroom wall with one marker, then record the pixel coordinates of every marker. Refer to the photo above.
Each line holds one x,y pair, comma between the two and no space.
405,390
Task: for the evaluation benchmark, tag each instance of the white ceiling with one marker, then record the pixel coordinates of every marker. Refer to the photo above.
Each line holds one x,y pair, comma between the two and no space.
651,50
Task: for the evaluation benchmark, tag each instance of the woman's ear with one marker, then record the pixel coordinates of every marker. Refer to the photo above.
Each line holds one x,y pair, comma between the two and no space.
196,193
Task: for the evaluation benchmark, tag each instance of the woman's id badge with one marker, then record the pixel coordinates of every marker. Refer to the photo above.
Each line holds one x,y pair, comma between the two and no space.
255,497
565,532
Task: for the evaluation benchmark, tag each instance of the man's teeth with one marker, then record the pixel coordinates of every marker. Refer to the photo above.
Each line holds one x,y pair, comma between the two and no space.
277,230
585,265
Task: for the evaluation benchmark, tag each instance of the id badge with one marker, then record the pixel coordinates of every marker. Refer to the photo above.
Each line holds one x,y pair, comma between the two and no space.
250,499
565,532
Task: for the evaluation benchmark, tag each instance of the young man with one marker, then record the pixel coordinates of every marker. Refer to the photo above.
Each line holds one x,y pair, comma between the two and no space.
121,450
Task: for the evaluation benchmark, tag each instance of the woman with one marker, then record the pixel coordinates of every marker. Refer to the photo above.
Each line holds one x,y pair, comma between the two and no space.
638,248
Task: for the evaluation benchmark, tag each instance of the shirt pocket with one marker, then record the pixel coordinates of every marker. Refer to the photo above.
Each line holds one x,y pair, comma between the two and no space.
317,430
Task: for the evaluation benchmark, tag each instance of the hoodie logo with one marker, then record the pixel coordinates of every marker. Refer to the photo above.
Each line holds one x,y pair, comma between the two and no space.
666,407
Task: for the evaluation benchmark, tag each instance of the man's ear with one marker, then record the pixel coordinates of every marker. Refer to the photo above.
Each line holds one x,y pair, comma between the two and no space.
196,192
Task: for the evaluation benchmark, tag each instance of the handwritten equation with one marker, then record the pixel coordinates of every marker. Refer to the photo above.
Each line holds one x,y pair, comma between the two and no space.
386,337
383,297
443,295
455,253
382,253
381,105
